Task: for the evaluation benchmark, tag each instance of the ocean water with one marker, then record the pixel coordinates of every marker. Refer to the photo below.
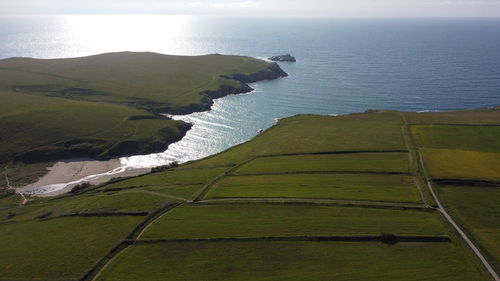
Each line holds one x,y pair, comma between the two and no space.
344,65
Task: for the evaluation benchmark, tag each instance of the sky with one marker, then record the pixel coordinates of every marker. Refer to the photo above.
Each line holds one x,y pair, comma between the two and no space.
282,8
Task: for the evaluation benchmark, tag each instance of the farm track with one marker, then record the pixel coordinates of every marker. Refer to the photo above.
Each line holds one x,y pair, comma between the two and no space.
7,181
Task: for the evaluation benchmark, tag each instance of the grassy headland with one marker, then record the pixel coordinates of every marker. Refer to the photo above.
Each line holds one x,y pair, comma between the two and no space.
108,105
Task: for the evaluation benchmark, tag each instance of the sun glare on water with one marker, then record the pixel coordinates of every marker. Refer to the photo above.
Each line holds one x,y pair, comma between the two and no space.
95,34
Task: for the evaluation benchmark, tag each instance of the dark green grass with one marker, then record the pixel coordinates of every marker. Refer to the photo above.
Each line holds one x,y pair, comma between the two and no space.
20,174
92,203
99,128
368,162
182,191
477,208
311,261
396,188
311,133
270,220
169,178
9,201
59,249
461,164
478,138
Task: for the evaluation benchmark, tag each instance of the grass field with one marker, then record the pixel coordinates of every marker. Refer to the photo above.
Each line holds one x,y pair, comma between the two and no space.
182,191
269,220
312,133
462,164
371,162
311,261
169,178
396,188
58,249
10,201
477,208
489,116
478,138
92,203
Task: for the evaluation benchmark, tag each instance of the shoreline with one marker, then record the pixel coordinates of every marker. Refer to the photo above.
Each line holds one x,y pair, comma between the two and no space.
66,174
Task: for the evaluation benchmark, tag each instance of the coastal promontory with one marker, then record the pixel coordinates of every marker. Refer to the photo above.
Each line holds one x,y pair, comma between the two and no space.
110,105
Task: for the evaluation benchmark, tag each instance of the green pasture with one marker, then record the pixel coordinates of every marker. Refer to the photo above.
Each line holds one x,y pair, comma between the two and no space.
58,249
270,220
364,162
304,261
187,177
181,191
312,133
91,203
374,187
477,208
478,138
461,164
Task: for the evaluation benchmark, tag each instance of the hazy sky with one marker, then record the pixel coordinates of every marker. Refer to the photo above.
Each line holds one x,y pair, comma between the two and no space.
323,8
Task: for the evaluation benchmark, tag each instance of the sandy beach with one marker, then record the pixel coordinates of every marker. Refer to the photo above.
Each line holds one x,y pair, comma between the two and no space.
74,170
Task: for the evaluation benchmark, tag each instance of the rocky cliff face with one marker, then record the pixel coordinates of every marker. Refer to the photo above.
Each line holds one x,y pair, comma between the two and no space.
273,71
102,150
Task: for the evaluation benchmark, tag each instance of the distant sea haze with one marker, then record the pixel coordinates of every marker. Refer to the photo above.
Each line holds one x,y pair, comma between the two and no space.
344,65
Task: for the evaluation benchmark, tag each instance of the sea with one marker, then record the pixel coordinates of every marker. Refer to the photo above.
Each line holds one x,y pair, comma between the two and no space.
343,65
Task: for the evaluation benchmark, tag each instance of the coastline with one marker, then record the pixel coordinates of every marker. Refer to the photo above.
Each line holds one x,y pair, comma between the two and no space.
272,72
65,174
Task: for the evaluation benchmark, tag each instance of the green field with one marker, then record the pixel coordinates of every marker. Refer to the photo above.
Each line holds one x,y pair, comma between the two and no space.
93,203
311,261
364,162
270,220
169,178
105,105
118,202
396,188
477,208
479,116
311,133
462,164
58,249
182,191
478,138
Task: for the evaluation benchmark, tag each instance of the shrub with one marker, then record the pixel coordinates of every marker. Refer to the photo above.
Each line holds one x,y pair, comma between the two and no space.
80,187
388,238
164,167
